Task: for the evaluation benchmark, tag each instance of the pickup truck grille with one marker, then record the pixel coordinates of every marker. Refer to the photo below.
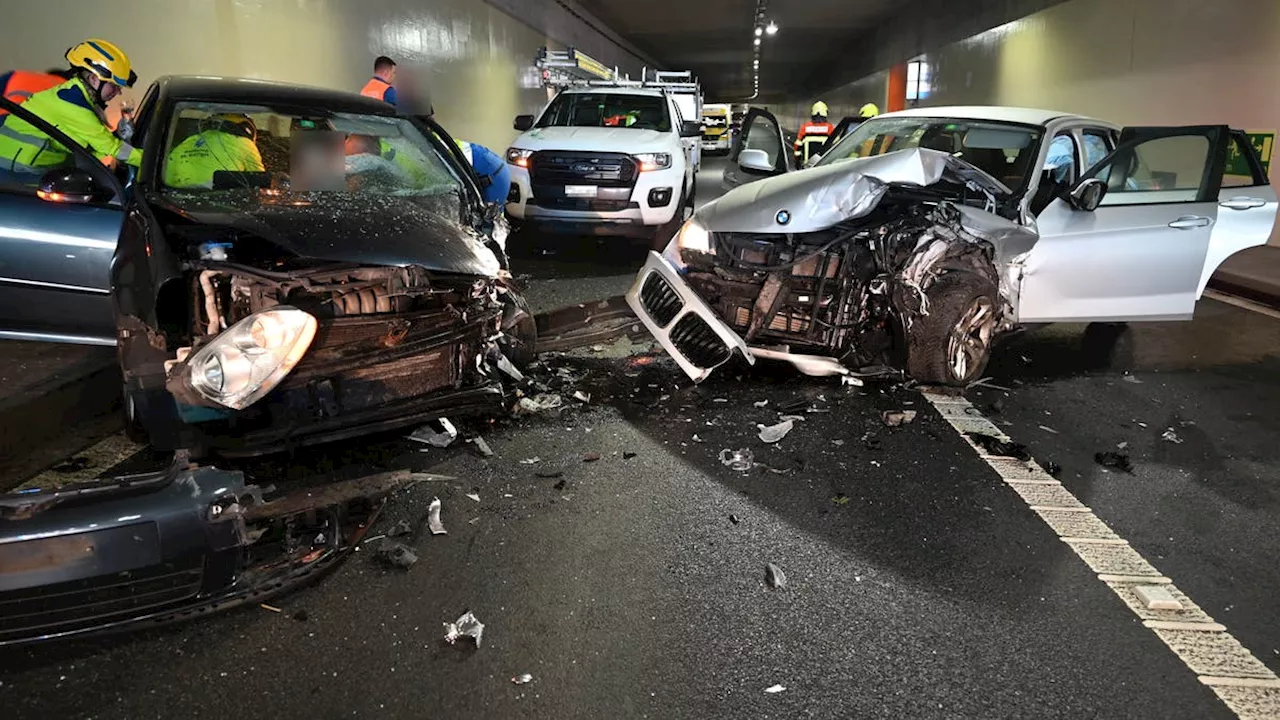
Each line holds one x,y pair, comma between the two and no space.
562,167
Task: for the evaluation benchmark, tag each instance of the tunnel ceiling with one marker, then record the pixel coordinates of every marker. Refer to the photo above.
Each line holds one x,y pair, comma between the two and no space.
714,39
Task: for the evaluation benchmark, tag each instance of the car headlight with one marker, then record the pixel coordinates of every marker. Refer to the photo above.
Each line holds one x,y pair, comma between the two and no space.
692,238
519,156
248,359
653,161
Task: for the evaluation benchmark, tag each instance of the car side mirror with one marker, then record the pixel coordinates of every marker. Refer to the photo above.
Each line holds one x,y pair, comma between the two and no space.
1087,196
523,122
755,161
690,129
72,186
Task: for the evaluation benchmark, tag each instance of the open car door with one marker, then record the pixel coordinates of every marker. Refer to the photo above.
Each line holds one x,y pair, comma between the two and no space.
1246,207
58,233
773,156
1141,253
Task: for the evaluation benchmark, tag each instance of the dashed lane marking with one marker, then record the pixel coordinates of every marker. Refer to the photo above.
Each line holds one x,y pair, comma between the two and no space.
86,464
1236,676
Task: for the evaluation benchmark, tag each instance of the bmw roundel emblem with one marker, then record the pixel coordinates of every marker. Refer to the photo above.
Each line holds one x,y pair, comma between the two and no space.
783,217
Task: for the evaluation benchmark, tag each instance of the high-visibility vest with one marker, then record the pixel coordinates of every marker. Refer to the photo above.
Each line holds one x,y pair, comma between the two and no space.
193,161
811,137
68,108
379,89
19,85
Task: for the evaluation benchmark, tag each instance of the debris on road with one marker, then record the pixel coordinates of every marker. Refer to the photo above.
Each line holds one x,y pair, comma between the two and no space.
775,689
474,496
739,460
482,447
549,474
467,626
1131,379
1171,435
397,554
775,433
996,447
761,404
627,455
734,519
1048,429
837,443
433,518
538,403
1053,468
401,528
897,418
522,679
1114,461
591,457
774,576
272,608
1123,445
581,396
851,381
531,461
697,439
436,438
840,499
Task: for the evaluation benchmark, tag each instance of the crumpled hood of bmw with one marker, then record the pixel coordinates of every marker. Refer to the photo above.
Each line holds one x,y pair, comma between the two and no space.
820,197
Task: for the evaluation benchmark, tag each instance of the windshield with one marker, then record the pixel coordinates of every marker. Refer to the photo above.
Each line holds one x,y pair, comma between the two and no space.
1005,151
639,112
215,147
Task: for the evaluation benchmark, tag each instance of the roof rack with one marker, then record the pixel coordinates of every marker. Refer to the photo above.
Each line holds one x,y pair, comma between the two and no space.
573,68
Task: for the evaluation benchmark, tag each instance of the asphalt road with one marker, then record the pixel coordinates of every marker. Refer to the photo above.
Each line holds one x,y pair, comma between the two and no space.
918,583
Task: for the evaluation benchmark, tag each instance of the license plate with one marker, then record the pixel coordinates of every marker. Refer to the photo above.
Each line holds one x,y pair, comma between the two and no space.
580,190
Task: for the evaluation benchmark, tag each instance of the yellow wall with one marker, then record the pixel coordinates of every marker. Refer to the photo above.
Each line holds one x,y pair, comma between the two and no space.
473,60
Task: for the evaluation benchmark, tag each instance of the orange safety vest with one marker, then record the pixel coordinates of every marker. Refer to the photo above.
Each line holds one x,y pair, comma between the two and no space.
22,84
376,88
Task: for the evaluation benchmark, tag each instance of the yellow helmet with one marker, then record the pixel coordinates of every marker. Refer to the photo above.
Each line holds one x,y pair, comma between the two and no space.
235,124
105,60
869,111
819,108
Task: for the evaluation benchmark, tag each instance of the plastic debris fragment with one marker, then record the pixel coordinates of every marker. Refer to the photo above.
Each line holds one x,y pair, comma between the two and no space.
996,447
531,461
465,626
581,396
896,418
739,460
1049,430
482,447
775,689
761,404
474,496
397,554
1171,435
436,438
539,403
522,679
697,439
433,518
774,576
851,381
509,368
1132,379
627,455
735,519
1114,461
775,433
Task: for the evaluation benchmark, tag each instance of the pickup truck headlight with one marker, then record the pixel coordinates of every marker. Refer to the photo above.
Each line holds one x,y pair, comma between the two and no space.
653,161
248,359
519,156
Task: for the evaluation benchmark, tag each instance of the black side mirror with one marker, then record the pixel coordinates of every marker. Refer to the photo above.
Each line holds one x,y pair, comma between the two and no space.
690,129
72,186
1087,196
523,122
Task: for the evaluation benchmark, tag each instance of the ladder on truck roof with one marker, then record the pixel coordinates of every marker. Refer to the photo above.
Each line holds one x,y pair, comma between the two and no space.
567,68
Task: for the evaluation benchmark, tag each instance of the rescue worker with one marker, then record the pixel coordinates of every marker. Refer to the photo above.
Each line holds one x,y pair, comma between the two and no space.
868,111
76,107
18,85
224,142
813,134
382,86
491,169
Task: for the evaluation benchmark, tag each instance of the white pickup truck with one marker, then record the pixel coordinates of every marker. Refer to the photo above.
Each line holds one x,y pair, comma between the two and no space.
619,161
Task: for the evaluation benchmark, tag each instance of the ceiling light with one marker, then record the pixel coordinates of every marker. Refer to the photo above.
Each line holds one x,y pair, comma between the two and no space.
759,30
757,41
772,29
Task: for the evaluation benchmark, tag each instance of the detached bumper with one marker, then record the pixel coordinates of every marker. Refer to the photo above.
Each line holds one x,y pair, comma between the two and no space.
138,552
681,322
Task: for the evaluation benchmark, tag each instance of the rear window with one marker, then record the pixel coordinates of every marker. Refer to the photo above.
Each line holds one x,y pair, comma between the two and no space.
620,110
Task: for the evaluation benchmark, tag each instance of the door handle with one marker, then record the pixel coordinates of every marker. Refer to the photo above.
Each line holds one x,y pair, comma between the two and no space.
1243,203
1190,222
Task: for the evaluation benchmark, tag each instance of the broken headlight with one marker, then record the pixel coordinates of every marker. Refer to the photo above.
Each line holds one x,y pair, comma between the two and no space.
692,238
251,357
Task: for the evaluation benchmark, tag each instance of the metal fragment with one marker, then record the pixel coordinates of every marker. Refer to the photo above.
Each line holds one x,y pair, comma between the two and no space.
465,626
436,438
774,576
739,460
433,518
775,433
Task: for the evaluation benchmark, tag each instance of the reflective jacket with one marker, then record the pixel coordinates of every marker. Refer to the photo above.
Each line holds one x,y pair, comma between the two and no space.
811,137
67,107
379,89
19,85
194,161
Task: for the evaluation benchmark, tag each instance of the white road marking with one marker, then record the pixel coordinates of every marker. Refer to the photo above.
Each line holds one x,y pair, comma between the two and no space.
1243,303
96,459
1236,676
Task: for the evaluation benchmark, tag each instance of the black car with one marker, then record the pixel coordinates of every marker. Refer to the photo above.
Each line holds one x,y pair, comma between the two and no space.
288,266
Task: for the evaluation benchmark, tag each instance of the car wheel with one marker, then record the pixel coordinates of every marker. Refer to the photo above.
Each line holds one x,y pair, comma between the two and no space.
952,343
520,330
1108,346
664,233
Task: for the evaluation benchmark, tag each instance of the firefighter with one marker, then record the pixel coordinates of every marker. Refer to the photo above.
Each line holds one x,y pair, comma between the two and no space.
868,111
382,86
225,142
813,134
77,108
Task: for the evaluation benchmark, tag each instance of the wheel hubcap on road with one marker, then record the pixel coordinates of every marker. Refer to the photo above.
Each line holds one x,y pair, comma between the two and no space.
971,337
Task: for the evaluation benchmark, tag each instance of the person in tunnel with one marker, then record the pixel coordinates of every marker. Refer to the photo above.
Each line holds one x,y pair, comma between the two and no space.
77,107
813,134
491,169
382,86
224,142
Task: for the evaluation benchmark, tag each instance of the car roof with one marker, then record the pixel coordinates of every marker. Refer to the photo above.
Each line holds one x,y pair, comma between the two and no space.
1024,116
264,92
615,90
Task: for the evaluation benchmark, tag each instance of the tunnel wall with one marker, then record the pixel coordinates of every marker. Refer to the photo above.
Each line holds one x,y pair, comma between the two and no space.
471,60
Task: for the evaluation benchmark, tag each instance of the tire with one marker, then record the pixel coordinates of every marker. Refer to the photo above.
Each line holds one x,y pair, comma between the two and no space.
520,343
658,241
1108,346
952,344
